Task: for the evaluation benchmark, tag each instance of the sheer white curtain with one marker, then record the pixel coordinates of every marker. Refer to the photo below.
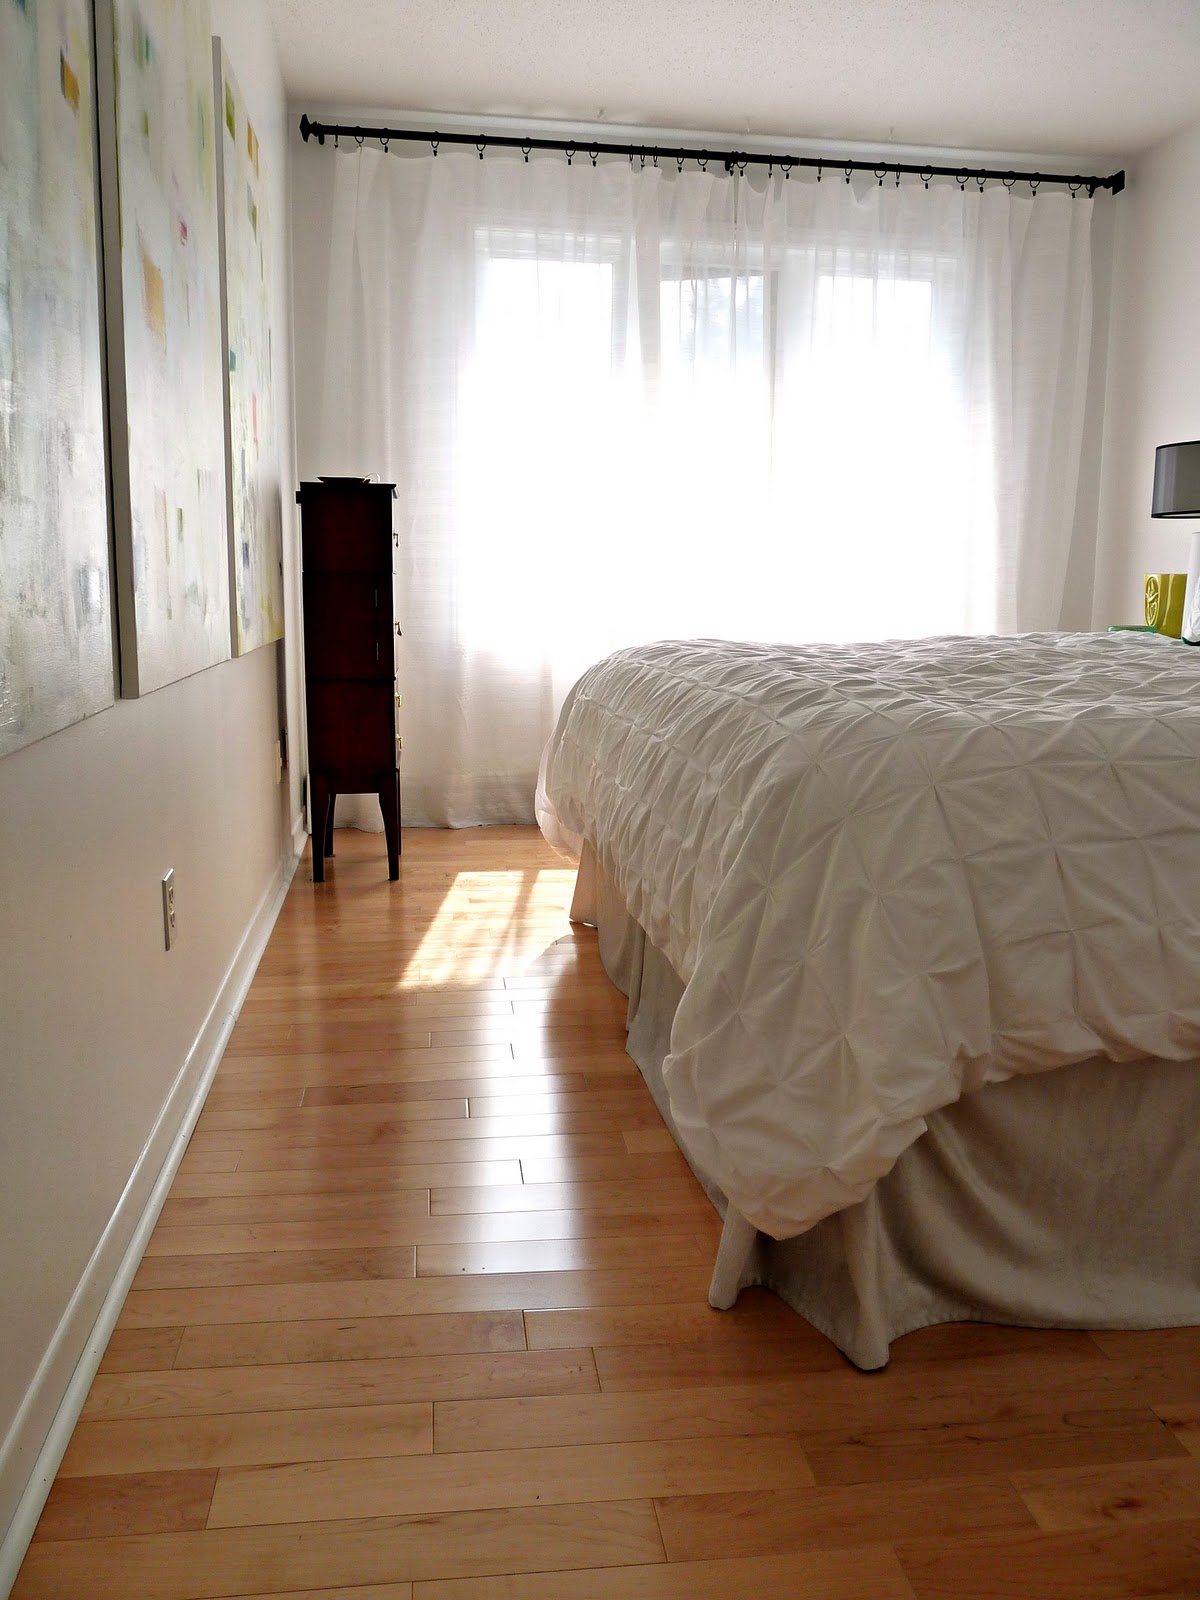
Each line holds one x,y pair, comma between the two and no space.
623,403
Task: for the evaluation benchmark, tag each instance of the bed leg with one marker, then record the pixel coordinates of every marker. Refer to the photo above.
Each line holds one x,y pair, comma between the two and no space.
737,1241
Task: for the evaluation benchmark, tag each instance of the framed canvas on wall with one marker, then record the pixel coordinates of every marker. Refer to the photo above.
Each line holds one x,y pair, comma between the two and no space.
166,358
255,505
56,641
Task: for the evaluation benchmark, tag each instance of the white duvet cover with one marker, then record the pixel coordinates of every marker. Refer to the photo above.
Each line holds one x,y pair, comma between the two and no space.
889,874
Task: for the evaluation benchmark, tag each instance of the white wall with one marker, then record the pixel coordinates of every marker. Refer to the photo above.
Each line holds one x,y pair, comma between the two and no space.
97,1020
1154,370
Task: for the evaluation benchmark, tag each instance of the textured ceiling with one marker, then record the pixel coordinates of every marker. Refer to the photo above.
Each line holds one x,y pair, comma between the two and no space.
1103,77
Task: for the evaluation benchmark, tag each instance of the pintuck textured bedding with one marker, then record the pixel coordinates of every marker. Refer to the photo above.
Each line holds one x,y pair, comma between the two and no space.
889,874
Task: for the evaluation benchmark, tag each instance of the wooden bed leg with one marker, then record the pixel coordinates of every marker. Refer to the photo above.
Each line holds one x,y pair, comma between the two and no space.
737,1241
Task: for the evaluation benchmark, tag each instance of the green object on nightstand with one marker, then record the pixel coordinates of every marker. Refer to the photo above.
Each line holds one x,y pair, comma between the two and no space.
1142,627
1164,597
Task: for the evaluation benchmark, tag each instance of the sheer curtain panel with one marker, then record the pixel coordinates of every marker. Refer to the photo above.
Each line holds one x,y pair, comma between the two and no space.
624,403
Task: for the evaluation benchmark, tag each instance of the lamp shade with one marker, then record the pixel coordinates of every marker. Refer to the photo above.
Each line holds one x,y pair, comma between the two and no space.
1177,480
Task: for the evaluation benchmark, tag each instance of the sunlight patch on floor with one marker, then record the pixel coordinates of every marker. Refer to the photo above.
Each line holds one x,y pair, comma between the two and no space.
515,917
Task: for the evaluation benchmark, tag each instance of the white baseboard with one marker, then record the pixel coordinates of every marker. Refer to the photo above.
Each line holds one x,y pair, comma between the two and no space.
31,1454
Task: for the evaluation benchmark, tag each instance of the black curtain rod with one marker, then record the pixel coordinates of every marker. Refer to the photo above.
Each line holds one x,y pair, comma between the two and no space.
729,159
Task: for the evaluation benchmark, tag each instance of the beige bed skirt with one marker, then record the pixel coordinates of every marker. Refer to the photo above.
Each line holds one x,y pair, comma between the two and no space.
1070,1199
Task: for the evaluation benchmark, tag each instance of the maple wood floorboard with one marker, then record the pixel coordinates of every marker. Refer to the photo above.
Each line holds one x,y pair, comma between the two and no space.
872,1573
564,1475
1183,1419
1150,1558
425,1317
248,1438
372,1591
142,1349
131,1502
194,1271
1124,1491
203,1391
355,1182
764,1522
350,1339
389,1297
392,1143
365,1550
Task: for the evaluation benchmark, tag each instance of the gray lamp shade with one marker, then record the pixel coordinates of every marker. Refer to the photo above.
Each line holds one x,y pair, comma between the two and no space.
1177,480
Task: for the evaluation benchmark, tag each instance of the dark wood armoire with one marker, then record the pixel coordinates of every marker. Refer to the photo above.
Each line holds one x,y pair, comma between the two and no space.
350,655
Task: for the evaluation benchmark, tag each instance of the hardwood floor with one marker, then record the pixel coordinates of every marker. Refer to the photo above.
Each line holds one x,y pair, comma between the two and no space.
424,1318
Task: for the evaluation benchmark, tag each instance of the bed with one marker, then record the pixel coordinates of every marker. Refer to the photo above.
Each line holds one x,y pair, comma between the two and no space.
911,937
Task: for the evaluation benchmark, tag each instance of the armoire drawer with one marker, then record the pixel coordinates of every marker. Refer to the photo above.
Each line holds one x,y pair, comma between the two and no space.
348,630
351,725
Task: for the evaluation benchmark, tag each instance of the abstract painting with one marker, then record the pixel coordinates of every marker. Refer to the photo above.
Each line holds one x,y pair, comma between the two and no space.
255,507
165,356
56,656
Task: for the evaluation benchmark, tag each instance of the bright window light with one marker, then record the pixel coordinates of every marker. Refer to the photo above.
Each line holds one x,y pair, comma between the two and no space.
709,459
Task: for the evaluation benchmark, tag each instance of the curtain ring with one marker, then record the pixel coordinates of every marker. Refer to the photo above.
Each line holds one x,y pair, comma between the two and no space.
679,160
594,152
525,149
656,158
787,164
981,182
1034,185
849,170
435,141
481,146
359,140
384,142
881,174
1009,181
925,174
820,169
1075,187
702,161
641,160
960,179
742,165
337,141
570,154
897,177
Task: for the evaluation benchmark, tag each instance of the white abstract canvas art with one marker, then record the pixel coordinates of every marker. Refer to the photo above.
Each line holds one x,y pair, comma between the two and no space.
255,513
166,361
56,658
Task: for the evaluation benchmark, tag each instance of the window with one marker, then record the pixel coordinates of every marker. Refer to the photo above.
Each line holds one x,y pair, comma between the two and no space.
775,454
